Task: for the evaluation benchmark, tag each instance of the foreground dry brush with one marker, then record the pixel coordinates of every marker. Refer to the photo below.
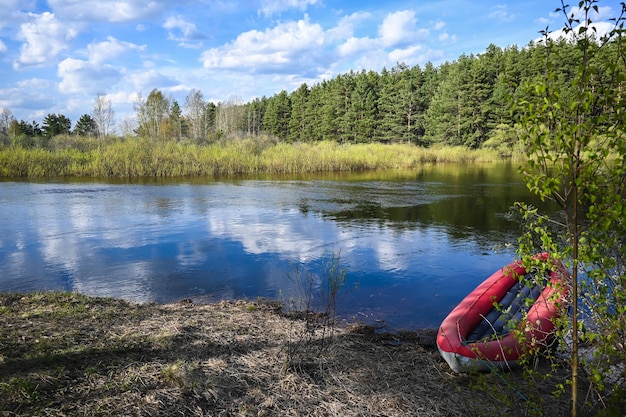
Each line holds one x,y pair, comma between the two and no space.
68,354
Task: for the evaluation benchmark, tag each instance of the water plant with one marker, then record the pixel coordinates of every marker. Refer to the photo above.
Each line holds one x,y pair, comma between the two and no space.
141,157
315,302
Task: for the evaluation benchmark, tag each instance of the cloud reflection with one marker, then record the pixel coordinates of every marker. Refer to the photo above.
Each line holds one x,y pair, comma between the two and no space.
230,240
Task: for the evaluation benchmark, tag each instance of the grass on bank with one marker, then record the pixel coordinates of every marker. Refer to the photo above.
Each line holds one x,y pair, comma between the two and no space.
68,354
136,157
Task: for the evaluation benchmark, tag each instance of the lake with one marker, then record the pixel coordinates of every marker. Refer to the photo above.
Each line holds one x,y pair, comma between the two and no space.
413,243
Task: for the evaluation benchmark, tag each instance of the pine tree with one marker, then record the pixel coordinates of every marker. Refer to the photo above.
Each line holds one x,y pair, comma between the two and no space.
297,121
330,110
360,119
390,121
86,126
313,115
277,115
54,125
176,121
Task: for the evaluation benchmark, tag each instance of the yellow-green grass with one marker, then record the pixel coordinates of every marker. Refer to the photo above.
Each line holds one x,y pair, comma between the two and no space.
145,158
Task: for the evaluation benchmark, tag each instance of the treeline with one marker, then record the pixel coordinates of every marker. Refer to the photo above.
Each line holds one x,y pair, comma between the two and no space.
467,102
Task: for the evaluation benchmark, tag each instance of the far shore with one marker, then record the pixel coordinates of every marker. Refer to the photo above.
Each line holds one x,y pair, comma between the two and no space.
136,157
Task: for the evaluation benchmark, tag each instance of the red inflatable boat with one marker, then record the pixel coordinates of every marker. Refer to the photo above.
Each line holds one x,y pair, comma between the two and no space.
477,335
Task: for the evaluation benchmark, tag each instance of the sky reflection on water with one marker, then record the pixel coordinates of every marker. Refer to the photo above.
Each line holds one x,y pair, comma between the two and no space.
413,244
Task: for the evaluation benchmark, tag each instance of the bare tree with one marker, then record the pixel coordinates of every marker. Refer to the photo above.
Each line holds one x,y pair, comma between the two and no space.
127,127
229,116
103,115
195,111
5,121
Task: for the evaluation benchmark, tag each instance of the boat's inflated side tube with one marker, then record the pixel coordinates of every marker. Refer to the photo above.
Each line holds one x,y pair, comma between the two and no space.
465,344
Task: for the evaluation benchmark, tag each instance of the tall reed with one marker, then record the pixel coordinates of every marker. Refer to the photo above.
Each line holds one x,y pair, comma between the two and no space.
146,158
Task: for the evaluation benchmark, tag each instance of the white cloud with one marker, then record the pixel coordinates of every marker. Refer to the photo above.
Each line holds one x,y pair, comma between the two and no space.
3,47
107,11
353,46
27,94
45,37
34,84
402,55
285,47
10,11
598,29
578,13
501,12
189,33
543,21
270,7
398,41
399,29
148,79
109,49
603,13
446,37
94,74
555,15
79,77
346,26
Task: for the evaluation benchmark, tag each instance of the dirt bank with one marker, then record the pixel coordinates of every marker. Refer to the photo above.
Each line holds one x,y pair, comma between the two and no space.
67,354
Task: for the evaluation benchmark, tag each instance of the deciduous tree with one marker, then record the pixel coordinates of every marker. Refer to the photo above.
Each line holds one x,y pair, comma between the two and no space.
576,141
195,111
229,116
6,117
151,113
103,115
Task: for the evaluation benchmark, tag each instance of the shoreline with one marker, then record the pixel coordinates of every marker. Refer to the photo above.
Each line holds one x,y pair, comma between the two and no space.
67,354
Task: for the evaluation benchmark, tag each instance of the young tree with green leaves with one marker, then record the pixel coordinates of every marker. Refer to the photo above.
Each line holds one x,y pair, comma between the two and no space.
576,140
151,114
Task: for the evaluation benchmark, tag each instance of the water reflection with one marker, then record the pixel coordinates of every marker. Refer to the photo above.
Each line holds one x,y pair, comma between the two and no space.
414,243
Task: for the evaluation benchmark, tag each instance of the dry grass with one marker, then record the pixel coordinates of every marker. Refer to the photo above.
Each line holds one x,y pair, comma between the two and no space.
145,158
67,354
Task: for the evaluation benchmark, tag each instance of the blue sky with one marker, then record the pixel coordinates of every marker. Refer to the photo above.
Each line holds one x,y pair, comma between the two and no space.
56,56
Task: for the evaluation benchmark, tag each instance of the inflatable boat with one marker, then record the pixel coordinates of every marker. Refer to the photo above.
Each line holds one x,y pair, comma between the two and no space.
510,313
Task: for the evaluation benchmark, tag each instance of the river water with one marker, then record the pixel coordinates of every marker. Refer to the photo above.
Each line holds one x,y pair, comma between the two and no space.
412,243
